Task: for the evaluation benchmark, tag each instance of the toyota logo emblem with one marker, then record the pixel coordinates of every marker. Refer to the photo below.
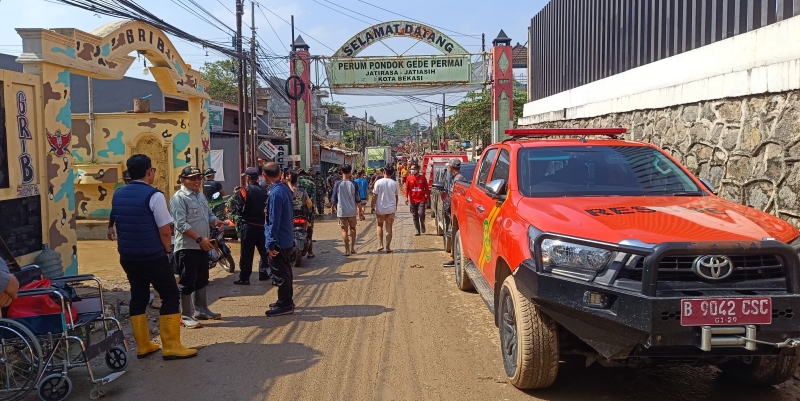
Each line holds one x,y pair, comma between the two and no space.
713,267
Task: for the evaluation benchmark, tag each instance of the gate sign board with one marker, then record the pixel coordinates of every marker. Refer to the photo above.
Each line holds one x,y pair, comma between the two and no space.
380,71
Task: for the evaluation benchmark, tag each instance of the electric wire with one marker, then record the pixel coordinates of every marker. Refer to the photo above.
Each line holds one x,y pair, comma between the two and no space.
418,21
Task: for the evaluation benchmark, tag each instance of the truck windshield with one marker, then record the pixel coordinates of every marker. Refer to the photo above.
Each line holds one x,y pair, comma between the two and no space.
600,171
376,163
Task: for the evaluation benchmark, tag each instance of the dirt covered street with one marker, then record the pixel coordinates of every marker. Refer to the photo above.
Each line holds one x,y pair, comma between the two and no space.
373,326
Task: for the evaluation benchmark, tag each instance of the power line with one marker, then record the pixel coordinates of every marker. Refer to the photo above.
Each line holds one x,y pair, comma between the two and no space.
347,15
300,30
412,19
273,28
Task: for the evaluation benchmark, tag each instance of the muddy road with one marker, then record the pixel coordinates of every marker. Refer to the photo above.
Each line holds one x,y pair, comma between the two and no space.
373,326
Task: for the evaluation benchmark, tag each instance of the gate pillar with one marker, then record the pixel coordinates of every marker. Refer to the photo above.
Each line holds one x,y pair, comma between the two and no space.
301,107
502,87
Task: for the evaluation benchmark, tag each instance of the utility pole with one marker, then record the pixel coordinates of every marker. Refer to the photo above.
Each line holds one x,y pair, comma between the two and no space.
253,85
444,125
296,129
239,12
430,122
246,108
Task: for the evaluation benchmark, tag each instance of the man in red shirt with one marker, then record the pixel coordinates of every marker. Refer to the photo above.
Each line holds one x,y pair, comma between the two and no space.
417,193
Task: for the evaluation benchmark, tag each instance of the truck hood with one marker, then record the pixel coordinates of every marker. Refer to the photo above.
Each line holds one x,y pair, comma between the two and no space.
653,219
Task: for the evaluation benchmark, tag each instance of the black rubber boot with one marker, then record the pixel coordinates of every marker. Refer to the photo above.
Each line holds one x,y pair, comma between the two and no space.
416,225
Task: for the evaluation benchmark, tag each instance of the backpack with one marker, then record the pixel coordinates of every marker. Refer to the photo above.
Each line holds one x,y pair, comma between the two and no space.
300,207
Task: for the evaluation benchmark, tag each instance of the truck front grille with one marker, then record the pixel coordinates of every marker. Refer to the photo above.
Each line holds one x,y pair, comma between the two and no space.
679,268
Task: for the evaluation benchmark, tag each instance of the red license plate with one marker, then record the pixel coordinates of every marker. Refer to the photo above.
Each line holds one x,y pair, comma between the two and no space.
725,311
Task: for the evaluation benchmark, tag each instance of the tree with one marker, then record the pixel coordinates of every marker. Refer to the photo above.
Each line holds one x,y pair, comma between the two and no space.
473,117
356,140
371,120
335,108
222,75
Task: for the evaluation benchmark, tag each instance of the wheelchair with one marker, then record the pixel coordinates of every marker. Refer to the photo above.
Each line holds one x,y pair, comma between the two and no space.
37,352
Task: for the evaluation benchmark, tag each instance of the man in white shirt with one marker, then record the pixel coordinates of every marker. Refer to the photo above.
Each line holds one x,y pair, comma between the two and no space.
384,203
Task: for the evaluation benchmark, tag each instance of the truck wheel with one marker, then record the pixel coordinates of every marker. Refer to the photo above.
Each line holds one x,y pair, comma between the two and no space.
462,279
528,339
761,370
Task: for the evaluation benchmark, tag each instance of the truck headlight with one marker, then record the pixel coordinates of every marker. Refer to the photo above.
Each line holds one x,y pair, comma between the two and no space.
556,253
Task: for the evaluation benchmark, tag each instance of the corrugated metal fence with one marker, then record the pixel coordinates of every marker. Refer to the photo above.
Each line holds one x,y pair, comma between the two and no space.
574,42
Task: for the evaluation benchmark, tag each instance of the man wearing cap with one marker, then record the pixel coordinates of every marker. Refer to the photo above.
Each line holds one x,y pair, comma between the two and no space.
454,165
210,186
193,217
250,203
143,226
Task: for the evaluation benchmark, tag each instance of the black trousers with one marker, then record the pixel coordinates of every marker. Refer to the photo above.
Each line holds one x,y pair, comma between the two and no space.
283,277
159,273
252,238
192,266
418,211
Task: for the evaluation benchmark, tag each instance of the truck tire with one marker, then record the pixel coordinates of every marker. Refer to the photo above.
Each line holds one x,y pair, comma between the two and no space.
462,279
762,371
528,340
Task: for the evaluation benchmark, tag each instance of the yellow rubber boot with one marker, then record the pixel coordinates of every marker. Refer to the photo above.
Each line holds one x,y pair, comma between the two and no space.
171,339
141,333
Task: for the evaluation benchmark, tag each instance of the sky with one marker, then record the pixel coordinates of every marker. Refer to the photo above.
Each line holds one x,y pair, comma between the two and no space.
324,24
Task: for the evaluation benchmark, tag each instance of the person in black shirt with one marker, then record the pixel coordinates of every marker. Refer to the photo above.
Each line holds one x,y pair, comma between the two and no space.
250,203
210,186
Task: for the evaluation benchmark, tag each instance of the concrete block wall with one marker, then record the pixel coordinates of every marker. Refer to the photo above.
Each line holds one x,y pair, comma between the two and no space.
748,147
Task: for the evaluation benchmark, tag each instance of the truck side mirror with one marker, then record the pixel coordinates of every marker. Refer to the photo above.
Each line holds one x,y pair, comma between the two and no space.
497,189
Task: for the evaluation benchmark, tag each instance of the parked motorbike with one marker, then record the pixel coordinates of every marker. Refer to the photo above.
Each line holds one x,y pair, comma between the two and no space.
221,252
301,242
219,206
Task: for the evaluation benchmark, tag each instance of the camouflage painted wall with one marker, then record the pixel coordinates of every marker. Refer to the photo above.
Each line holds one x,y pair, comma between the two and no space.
23,153
749,148
53,55
166,137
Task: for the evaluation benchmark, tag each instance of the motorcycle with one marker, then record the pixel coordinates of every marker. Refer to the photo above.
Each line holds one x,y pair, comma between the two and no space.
221,252
219,206
301,242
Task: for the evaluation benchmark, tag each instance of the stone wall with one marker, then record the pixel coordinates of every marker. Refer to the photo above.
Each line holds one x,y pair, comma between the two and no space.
749,147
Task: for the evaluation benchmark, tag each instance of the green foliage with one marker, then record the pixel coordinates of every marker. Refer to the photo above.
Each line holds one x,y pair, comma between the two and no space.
335,107
371,120
402,128
222,75
357,140
473,117
385,142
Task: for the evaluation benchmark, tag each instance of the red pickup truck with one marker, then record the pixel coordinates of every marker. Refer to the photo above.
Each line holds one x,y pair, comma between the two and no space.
583,243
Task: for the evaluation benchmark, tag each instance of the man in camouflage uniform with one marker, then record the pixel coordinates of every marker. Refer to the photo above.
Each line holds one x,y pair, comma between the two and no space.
308,184
321,191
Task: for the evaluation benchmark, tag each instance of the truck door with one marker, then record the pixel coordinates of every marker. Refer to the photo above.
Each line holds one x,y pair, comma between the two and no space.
475,207
487,260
